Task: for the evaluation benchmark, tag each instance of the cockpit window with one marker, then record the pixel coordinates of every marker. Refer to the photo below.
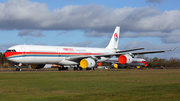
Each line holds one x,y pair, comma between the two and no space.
11,50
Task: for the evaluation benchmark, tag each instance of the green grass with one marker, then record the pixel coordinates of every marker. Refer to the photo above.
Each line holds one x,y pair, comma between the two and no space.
100,85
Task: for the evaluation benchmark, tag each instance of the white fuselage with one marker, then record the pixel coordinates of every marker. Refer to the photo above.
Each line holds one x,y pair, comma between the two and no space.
38,54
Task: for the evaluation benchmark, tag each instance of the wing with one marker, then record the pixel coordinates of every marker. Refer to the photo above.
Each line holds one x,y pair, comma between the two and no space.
79,58
149,52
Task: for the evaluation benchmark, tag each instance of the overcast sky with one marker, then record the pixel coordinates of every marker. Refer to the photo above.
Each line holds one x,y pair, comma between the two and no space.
153,24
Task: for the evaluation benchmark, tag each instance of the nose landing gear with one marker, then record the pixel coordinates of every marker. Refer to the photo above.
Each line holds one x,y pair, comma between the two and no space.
18,67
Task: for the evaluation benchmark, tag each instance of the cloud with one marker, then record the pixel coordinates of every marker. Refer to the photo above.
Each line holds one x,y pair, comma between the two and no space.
153,47
102,44
94,34
4,47
171,39
23,14
94,20
157,1
61,33
40,44
30,33
166,37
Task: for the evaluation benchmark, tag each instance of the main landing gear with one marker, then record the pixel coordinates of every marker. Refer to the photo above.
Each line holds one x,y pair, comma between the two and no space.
90,68
77,68
18,67
61,68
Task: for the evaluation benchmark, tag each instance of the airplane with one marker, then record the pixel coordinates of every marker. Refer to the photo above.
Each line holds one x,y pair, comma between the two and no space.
83,57
136,62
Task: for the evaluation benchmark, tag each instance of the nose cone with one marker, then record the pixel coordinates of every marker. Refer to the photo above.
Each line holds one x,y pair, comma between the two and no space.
5,54
146,65
8,56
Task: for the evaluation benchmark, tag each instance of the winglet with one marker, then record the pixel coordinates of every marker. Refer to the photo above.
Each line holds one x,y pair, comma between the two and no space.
174,48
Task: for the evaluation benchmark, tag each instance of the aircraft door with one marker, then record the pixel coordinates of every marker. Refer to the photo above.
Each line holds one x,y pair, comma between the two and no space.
58,53
23,50
23,53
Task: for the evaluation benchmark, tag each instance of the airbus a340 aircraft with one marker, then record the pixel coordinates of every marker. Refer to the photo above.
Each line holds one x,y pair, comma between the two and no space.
136,62
37,55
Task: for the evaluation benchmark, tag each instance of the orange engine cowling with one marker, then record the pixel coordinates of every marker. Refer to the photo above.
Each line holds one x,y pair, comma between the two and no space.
125,59
99,64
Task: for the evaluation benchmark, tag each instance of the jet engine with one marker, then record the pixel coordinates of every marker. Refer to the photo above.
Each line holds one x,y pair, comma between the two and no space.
125,59
99,64
87,63
114,65
37,66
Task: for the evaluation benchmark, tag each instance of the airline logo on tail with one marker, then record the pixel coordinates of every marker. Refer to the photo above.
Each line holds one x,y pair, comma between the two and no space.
115,37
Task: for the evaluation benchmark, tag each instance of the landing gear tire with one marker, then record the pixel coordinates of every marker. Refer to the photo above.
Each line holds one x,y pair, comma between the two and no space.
74,68
59,68
62,68
79,68
89,68
18,69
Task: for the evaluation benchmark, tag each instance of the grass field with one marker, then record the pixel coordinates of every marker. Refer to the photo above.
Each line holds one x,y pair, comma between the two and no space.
99,85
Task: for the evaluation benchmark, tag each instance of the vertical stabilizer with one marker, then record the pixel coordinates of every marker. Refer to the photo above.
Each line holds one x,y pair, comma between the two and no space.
115,39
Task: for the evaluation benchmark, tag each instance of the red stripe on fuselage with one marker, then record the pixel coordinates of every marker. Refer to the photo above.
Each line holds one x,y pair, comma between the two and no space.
9,54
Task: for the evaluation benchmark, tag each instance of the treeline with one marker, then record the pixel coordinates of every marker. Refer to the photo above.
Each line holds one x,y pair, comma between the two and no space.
167,63
4,62
152,63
